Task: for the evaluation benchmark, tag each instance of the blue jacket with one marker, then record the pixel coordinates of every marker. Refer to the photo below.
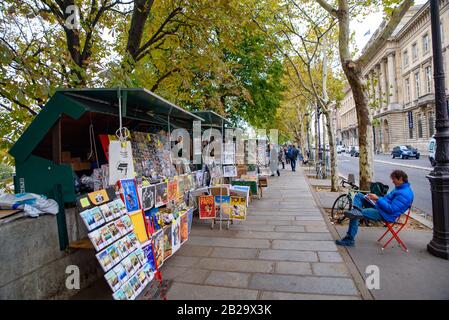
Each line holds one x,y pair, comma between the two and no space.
395,203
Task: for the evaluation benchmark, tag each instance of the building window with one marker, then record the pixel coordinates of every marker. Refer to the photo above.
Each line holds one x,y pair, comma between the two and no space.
426,43
407,90
417,86
431,125
415,51
429,79
410,124
420,130
405,58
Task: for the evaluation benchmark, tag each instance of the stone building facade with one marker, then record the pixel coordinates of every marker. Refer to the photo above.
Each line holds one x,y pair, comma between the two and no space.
400,82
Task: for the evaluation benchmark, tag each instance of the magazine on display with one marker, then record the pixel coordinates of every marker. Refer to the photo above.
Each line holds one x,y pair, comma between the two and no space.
238,208
167,242
229,171
158,242
207,207
148,197
161,194
176,235
184,227
172,190
130,195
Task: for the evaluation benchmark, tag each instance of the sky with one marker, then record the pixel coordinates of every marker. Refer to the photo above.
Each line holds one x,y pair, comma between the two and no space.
370,23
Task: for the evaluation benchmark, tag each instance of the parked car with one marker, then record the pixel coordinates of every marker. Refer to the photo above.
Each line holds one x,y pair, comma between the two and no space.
432,149
354,151
340,149
405,152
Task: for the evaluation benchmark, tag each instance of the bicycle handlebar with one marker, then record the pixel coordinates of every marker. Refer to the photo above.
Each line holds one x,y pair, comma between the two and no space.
352,185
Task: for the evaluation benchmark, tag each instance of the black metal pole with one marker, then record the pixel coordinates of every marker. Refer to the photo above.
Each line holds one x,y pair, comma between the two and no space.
439,177
318,131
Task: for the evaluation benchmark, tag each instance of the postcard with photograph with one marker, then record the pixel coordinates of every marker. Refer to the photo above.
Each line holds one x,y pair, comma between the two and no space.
98,216
149,271
142,277
238,208
136,285
105,260
199,179
121,247
121,205
121,273
116,213
158,243
128,265
88,219
106,212
97,239
119,295
127,222
161,194
129,291
121,227
148,197
176,235
113,280
114,253
184,227
134,241
135,261
141,254
207,207
167,242
130,194
115,232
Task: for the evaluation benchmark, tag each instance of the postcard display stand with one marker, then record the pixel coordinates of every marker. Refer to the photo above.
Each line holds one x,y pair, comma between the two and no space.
129,266
134,226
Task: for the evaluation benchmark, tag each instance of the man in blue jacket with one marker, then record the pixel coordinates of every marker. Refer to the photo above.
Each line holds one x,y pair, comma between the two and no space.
375,208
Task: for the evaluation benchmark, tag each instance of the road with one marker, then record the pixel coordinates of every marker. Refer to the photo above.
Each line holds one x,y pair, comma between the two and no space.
384,165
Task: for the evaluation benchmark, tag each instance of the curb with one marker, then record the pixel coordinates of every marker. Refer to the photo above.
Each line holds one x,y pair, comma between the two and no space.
347,259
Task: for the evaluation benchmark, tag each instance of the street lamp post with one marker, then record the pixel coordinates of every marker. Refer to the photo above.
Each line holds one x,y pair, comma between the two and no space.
439,177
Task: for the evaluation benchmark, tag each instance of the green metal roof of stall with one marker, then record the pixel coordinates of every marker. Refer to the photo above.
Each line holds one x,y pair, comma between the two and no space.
137,103
212,118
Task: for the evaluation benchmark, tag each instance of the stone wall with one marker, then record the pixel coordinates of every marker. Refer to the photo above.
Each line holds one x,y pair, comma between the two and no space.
31,263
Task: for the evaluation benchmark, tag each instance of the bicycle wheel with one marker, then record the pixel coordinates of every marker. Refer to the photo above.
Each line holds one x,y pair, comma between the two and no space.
341,204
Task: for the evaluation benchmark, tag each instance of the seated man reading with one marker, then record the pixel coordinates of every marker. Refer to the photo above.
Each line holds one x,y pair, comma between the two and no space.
375,208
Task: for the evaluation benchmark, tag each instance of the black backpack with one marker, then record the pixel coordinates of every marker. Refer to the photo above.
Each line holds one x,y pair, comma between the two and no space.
379,189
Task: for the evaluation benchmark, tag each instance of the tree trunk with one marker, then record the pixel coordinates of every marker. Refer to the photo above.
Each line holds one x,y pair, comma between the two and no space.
355,78
317,141
332,149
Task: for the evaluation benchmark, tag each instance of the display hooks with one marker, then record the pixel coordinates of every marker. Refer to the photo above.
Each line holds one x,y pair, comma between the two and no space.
122,133
92,143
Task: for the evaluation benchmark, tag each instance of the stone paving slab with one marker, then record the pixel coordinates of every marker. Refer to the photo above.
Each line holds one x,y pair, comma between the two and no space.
300,284
283,250
184,291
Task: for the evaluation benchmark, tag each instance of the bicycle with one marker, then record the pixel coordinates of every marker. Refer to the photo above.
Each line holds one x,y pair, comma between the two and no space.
319,170
344,202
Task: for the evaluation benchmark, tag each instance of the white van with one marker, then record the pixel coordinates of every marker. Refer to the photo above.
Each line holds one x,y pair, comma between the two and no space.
432,149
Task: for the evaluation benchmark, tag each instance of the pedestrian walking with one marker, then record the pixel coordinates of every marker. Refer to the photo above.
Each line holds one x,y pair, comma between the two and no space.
282,157
274,160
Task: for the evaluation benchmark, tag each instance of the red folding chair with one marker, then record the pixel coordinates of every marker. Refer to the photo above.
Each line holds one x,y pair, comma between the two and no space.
394,228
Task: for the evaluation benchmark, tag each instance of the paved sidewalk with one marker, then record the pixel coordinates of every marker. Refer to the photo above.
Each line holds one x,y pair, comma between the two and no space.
283,251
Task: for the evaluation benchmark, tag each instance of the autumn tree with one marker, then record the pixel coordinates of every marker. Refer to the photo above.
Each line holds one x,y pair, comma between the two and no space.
345,11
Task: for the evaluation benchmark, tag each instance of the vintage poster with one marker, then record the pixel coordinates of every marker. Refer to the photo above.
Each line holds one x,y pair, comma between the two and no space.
184,227
176,235
229,171
138,221
161,194
130,194
167,242
181,186
172,190
238,208
222,206
207,207
158,243
148,197
149,255
240,191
